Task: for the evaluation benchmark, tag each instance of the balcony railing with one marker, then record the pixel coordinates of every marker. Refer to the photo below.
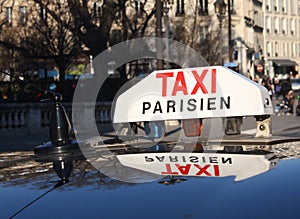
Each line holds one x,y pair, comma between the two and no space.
34,118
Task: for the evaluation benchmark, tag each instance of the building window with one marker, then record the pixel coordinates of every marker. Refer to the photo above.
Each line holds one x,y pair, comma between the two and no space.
22,15
293,27
276,48
203,7
276,5
138,6
42,13
269,49
180,8
292,6
233,32
204,33
276,21
232,10
294,50
268,5
58,5
8,16
97,10
284,26
284,6
269,24
285,49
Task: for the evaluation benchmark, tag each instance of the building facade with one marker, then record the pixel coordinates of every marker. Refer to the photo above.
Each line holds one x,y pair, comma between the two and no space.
282,37
242,31
264,34
255,37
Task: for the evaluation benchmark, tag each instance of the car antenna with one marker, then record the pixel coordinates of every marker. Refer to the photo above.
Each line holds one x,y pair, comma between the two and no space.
61,137
57,185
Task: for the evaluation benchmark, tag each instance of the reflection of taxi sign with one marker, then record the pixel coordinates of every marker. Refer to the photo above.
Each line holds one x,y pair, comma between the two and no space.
242,166
195,93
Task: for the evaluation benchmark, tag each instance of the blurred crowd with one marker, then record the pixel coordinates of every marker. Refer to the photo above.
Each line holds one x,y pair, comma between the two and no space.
281,91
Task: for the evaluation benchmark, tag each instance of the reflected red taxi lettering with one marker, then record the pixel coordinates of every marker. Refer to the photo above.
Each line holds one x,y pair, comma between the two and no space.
206,170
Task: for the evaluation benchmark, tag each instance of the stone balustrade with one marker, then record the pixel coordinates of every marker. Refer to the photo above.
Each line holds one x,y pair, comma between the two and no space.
34,118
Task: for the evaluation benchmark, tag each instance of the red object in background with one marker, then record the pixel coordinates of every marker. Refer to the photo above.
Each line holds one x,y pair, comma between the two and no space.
259,68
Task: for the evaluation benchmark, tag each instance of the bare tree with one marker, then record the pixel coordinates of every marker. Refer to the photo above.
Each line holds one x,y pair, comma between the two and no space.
55,41
94,27
92,22
190,31
36,35
58,31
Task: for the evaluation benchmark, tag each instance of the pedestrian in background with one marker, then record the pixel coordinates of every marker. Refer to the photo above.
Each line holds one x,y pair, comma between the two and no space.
277,88
289,101
268,86
286,86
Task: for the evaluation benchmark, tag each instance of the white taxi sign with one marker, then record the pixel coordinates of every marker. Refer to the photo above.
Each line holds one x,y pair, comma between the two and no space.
202,92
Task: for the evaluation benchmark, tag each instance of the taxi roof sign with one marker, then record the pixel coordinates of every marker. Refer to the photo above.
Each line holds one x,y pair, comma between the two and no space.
202,92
